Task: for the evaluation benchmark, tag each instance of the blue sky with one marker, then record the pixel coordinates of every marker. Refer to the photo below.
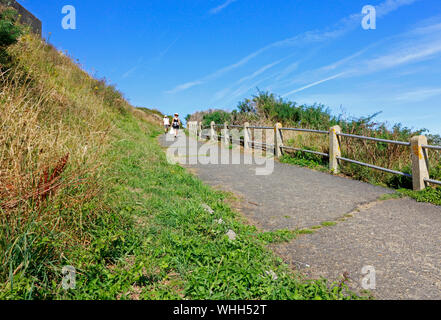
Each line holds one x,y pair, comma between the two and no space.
188,55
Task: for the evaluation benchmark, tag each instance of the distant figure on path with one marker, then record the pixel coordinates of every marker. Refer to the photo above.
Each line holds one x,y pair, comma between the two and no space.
176,124
166,123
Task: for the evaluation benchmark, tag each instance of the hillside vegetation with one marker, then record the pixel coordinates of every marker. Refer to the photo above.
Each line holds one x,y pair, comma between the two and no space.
84,183
266,109
56,126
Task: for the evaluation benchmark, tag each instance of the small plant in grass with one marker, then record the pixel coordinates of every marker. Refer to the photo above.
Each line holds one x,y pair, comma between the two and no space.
10,30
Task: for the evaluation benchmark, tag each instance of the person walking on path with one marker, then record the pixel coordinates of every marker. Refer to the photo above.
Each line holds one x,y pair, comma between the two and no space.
166,123
176,124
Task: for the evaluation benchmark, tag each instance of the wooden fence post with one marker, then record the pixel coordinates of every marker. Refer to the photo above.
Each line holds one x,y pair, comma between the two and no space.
334,149
226,134
246,136
420,170
278,140
212,131
192,127
200,130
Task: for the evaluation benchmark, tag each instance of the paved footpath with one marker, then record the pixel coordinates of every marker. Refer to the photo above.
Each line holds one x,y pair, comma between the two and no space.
400,238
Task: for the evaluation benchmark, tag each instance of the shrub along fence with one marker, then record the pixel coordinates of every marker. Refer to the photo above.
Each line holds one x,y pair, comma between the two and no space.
417,145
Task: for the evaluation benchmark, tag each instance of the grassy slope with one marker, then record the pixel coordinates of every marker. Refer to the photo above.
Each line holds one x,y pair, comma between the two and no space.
130,223
159,242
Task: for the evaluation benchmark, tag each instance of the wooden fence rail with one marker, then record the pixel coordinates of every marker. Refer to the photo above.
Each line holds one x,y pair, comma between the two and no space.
418,146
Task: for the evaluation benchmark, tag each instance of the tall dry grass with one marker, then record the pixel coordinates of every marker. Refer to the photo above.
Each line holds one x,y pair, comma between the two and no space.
55,125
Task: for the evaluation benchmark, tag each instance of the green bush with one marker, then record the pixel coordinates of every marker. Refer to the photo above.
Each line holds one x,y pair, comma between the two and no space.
218,116
10,31
268,107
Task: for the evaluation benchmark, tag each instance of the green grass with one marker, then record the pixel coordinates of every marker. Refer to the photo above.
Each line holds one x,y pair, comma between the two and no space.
305,231
158,242
278,236
390,196
328,223
304,161
430,194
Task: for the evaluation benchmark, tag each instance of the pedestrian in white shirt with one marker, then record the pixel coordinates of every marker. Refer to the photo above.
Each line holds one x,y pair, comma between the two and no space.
166,123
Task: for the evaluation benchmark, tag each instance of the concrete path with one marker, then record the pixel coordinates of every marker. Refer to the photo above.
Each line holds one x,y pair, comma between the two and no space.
400,238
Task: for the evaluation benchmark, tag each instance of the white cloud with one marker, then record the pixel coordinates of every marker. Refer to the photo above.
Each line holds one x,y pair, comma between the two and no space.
184,86
259,72
407,53
405,49
313,84
221,7
289,69
133,69
129,72
343,61
418,95
244,88
163,53
427,29
338,30
215,74
391,5
407,57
